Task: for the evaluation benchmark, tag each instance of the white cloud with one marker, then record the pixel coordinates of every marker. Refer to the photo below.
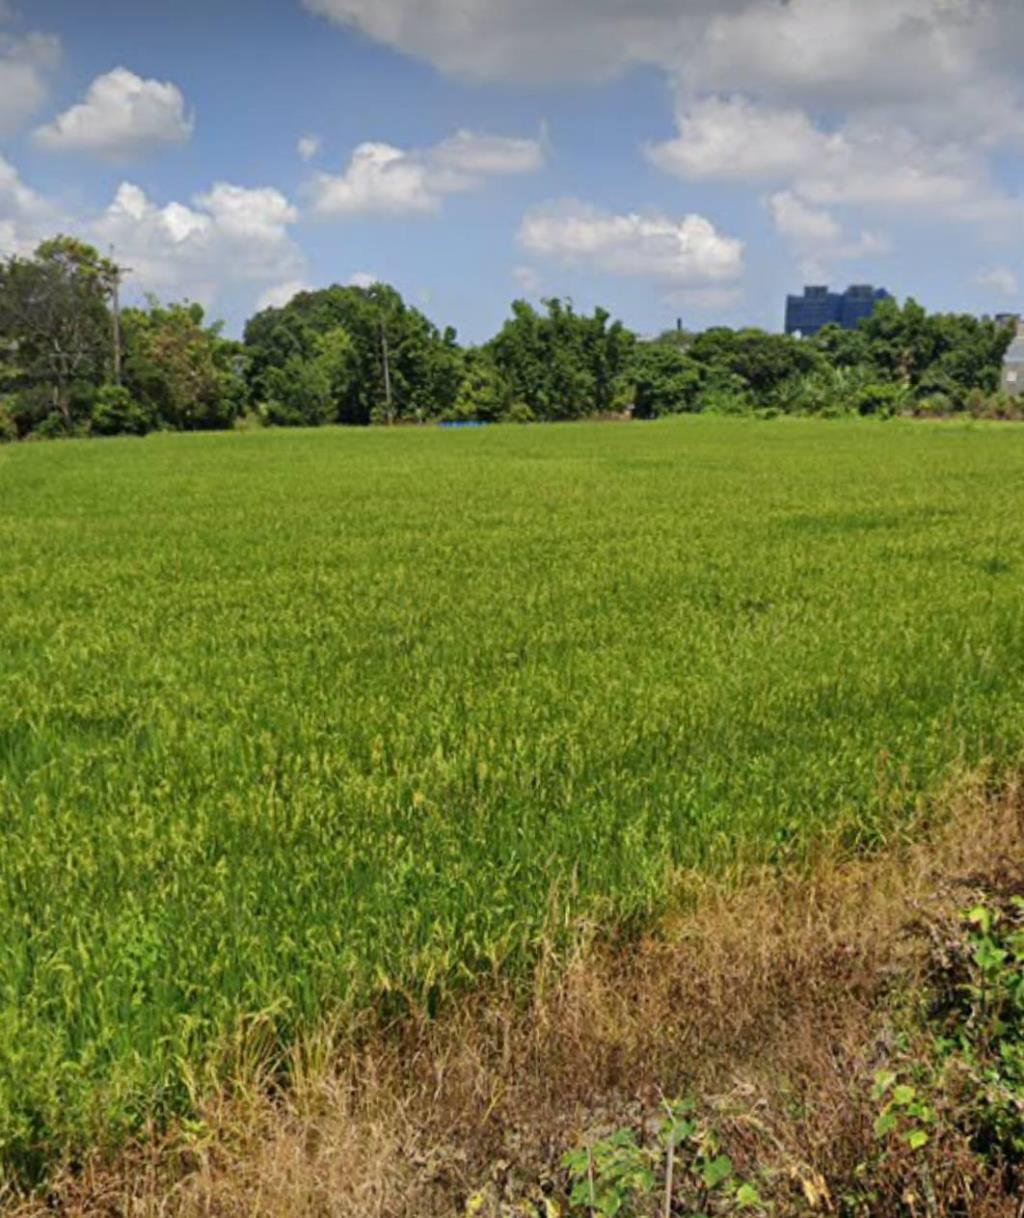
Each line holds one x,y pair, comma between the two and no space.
864,161
522,39
881,105
688,251
888,165
259,216
795,219
308,147
734,139
817,236
999,279
383,179
832,50
841,52
479,155
280,294
122,116
869,162
379,178
228,235
26,218
25,67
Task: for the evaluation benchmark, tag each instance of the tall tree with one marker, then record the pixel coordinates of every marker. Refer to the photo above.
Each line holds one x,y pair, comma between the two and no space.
55,320
399,364
665,380
180,370
560,364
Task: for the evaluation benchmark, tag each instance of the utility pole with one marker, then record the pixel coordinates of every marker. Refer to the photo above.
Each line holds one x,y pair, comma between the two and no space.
115,313
387,370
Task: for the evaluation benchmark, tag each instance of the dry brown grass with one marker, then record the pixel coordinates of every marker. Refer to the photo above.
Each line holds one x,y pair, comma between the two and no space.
771,1002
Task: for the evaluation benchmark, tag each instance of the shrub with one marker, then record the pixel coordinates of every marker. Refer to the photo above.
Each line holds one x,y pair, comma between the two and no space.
976,402
665,381
880,399
50,427
8,428
115,412
935,406
281,414
684,1170
251,420
519,412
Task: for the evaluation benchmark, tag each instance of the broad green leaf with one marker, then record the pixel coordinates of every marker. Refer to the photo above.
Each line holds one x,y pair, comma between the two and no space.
717,1171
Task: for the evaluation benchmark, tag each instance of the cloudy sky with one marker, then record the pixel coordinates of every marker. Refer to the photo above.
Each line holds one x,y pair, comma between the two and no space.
693,158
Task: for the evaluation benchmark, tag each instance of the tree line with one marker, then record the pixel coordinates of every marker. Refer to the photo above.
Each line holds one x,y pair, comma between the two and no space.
72,362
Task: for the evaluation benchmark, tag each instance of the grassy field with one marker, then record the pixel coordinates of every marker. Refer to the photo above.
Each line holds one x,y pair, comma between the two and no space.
291,721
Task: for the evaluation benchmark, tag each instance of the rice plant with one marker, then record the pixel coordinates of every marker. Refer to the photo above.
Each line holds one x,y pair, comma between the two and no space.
296,726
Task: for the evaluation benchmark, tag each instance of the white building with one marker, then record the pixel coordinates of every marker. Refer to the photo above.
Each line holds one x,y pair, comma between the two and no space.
1013,364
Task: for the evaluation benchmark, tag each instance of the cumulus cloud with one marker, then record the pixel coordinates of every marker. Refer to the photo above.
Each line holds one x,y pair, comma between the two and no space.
999,279
379,178
281,294
795,219
689,251
26,218
122,116
817,236
734,139
834,50
522,39
864,161
869,162
26,65
879,105
228,235
308,147
842,52
383,179
476,155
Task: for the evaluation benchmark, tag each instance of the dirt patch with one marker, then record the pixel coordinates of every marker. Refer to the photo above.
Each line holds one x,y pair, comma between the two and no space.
772,1004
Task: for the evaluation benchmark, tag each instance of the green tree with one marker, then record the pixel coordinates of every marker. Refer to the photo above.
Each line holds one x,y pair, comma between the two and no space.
180,370
666,380
115,413
398,364
562,365
902,342
56,329
309,391
933,354
764,363
483,392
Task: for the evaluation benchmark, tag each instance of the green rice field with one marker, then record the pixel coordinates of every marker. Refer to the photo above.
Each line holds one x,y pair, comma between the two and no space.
297,723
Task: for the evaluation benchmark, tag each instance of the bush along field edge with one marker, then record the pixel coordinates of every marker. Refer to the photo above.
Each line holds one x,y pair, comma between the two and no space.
73,364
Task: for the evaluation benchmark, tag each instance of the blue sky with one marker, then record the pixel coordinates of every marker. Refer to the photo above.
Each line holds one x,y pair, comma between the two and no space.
664,158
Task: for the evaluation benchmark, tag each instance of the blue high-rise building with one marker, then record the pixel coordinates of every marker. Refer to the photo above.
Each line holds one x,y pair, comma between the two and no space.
818,307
